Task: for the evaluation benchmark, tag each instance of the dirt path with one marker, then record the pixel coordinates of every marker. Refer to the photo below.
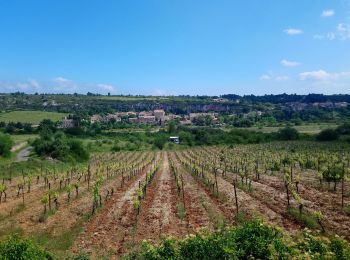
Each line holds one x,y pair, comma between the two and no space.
203,210
159,208
23,154
18,146
271,192
105,233
255,205
315,200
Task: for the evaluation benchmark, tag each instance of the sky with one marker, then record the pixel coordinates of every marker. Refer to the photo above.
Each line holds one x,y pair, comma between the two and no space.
175,47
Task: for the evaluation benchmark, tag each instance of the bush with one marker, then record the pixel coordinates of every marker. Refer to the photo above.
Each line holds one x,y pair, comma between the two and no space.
16,248
328,135
287,134
160,141
253,240
6,144
344,129
60,147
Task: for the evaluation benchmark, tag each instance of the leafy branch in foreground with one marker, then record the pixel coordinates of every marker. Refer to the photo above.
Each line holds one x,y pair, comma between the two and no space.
253,240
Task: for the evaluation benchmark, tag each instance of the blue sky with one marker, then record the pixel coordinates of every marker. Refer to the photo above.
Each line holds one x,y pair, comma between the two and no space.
171,47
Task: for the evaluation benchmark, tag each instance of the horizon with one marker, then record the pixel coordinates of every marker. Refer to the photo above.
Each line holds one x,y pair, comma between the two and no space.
156,48
180,95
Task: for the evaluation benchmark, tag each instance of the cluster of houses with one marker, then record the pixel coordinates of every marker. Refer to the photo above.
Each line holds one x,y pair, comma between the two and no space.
159,117
155,117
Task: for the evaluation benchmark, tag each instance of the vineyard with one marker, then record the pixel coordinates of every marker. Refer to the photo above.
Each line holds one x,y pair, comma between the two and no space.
108,206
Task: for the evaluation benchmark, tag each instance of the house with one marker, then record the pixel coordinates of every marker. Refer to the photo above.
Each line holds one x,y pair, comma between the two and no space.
133,120
95,119
111,117
66,123
159,115
147,119
185,122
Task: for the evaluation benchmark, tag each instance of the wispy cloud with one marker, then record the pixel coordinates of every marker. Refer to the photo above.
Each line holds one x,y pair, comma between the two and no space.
328,13
266,77
288,63
64,85
55,85
106,87
293,31
341,32
322,75
61,79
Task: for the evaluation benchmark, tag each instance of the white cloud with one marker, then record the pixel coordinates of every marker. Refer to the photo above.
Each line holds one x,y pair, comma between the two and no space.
321,75
314,75
63,85
341,32
274,78
55,85
34,83
106,87
288,63
265,77
330,36
61,79
328,13
293,31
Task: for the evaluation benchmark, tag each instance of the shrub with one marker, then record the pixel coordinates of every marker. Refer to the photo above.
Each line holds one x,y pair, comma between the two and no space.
328,135
15,248
60,147
6,144
288,133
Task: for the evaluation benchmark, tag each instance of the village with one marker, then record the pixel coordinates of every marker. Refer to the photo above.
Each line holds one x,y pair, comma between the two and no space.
155,117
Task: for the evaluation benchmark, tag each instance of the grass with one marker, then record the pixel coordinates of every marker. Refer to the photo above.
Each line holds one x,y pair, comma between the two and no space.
23,138
61,243
31,117
132,98
305,218
241,217
305,129
347,210
33,165
181,211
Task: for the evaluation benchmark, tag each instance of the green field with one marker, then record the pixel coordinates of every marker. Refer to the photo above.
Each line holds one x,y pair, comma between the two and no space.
132,98
305,129
23,138
31,117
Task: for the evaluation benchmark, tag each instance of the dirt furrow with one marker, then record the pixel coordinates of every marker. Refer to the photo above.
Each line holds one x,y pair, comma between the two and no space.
104,233
202,209
158,209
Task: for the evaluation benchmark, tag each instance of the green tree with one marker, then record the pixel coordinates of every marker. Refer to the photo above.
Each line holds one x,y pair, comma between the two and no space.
6,144
328,135
288,133
15,248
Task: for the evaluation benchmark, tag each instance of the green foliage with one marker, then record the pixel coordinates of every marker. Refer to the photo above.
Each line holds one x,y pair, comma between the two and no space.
309,220
30,117
287,134
258,241
6,144
328,135
15,248
253,240
60,147
160,141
